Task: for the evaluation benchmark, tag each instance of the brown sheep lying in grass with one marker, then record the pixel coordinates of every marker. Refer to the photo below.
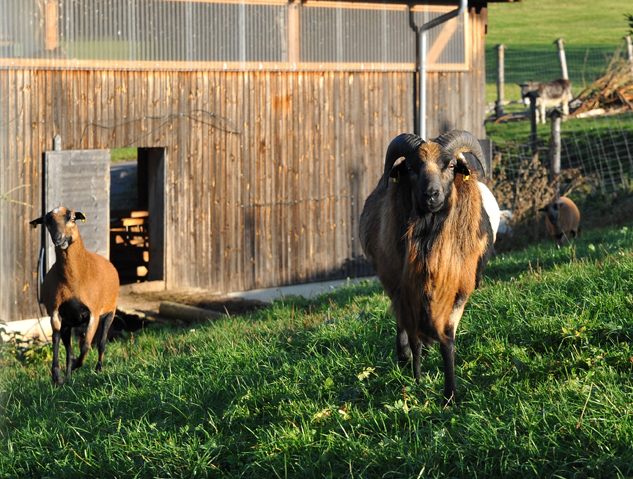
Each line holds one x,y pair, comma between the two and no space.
562,220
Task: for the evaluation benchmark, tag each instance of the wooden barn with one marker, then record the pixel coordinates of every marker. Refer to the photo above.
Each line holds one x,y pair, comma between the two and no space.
261,127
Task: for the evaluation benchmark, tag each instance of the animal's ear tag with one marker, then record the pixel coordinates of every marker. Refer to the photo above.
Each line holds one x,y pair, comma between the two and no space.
396,178
464,170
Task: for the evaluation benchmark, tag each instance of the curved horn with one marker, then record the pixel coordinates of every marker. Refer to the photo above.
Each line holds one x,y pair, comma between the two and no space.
401,145
459,141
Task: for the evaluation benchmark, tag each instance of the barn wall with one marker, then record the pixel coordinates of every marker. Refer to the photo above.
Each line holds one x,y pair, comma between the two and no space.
270,196
456,99
267,172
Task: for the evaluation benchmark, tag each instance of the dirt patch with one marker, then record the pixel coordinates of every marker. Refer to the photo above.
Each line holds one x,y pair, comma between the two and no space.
149,302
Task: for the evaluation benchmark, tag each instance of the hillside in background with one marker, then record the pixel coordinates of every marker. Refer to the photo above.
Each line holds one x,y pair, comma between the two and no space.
534,24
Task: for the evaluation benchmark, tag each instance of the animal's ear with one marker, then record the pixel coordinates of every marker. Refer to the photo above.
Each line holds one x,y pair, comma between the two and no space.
398,169
462,167
543,209
80,216
37,221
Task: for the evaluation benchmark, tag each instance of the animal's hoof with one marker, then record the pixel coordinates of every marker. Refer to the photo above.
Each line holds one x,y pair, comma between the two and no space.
404,361
98,368
57,377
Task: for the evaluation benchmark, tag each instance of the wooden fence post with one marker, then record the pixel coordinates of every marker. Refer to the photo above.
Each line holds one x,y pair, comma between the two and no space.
500,79
554,151
562,58
629,49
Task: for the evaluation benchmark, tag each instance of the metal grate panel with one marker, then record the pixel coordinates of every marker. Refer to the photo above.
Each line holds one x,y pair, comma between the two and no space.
214,35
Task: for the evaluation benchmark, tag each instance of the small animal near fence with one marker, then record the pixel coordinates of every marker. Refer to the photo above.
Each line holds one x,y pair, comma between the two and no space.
582,66
589,157
592,156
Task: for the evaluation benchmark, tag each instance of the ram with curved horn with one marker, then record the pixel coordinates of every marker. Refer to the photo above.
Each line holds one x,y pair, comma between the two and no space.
427,234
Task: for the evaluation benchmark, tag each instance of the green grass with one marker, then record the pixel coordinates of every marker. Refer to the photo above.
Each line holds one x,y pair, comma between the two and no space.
122,154
587,129
592,32
311,388
533,24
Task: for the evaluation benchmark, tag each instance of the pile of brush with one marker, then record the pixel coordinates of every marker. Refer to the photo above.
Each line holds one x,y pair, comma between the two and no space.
612,93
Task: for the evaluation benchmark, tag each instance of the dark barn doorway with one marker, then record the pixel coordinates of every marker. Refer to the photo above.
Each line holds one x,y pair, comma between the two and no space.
137,216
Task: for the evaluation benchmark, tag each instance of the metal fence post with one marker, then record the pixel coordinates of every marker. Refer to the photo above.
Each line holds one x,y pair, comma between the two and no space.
554,151
500,79
562,58
629,49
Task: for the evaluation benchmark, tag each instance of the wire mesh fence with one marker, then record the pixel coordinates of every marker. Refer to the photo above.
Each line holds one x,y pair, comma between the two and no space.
596,158
584,64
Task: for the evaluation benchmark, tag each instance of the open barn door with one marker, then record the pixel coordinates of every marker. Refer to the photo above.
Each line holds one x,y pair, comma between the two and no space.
79,180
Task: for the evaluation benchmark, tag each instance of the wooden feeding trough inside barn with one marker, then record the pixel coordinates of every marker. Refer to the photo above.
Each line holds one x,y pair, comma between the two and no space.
129,244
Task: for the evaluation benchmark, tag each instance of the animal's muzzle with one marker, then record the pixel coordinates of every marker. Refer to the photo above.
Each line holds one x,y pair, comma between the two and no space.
62,241
431,200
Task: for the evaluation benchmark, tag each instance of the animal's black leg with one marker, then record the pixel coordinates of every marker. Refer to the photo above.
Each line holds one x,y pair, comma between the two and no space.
402,347
55,371
105,322
84,345
66,334
448,356
416,349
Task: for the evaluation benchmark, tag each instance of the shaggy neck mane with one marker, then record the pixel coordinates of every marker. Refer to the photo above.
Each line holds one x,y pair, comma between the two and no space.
438,243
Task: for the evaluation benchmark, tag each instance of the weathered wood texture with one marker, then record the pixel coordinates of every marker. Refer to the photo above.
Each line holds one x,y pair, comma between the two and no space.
275,203
271,196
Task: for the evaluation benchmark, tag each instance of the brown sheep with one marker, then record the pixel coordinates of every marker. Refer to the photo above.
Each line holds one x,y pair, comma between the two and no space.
81,287
562,219
426,232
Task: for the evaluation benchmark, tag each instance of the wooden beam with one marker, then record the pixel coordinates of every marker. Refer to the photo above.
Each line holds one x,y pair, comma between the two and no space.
294,38
61,64
50,25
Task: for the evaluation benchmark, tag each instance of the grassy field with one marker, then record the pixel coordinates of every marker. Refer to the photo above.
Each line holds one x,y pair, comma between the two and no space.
312,389
592,32
534,24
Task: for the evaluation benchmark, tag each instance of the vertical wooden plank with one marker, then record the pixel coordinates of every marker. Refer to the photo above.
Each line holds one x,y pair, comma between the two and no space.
308,222
204,251
250,142
216,170
291,154
232,179
25,195
222,186
17,181
8,173
264,194
5,94
93,101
